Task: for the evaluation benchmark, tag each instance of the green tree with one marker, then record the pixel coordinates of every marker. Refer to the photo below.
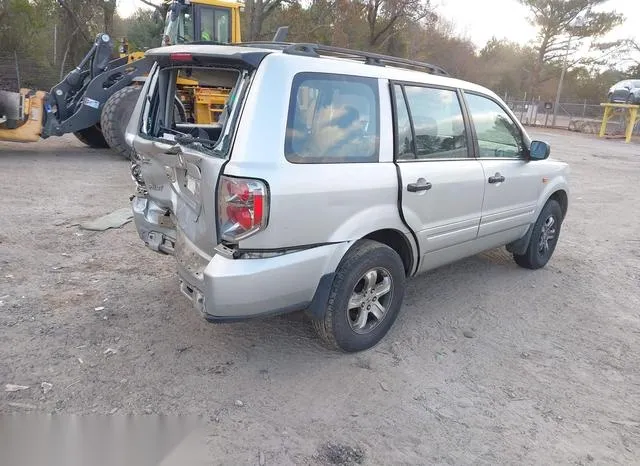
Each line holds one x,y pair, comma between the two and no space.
633,71
386,18
559,20
108,13
256,12
634,48
505,67
591,84
143,30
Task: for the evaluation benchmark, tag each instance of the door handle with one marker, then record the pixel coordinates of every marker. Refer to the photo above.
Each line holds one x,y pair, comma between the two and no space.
421,185
497,178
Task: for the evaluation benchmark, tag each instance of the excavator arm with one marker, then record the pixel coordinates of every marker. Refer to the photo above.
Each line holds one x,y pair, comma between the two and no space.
76,102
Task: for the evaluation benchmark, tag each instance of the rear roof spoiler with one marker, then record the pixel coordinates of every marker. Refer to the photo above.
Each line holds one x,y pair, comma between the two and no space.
206,53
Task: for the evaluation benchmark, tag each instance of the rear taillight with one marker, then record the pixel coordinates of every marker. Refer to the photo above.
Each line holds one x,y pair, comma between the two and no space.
243,207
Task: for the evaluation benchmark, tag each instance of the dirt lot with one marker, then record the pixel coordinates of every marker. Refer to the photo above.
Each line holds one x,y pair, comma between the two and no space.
550,373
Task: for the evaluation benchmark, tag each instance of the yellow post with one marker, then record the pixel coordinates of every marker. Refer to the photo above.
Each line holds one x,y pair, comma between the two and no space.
607,114
631,118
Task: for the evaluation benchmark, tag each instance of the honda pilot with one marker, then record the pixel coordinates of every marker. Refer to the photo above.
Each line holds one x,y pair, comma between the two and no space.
328,179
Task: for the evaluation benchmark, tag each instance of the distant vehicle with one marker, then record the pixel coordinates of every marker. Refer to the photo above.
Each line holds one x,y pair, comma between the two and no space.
625,92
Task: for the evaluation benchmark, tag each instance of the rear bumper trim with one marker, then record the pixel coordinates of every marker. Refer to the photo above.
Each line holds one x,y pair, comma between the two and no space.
226,289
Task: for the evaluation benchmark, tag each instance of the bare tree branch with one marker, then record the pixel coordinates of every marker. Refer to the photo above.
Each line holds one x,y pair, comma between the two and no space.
75,19
153,5
66,51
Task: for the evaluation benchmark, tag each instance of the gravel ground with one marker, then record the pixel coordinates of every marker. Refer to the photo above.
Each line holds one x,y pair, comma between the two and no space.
487,363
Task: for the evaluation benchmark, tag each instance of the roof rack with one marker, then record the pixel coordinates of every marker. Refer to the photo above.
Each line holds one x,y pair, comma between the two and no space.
317,50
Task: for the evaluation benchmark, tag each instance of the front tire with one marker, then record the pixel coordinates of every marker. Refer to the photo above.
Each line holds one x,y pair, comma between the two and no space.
365,298
544,238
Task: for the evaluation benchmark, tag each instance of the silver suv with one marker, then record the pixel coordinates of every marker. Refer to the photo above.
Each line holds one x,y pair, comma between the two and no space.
330,178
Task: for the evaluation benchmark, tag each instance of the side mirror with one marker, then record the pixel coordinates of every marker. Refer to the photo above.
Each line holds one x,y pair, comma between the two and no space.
539,150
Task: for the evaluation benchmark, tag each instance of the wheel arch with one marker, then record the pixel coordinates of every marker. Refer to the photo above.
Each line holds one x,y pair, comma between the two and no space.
560,195
399,242
562,198
391,237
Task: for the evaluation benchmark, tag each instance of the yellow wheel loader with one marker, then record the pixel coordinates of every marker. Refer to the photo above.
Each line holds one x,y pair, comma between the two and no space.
94,101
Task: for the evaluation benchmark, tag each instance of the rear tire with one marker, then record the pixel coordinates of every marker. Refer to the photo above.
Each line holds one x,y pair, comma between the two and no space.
365,298
115,117
92,137
544,238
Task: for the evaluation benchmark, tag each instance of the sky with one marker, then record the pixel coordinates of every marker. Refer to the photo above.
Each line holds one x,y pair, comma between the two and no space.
479,20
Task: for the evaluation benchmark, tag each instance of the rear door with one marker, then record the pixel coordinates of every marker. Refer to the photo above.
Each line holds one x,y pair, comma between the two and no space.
181,160
442,185
512,184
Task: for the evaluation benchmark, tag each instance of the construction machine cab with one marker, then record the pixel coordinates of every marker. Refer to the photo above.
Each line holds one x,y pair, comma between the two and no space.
214,21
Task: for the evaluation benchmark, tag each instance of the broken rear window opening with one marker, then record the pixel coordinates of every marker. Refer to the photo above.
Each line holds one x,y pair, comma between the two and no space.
195,106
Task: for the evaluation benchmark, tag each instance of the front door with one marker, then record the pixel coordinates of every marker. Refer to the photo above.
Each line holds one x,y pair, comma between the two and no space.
442,186
512,184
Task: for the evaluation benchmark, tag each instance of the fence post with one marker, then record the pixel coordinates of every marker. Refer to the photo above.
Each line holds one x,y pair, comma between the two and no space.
546,117
584,109
15,56
55,43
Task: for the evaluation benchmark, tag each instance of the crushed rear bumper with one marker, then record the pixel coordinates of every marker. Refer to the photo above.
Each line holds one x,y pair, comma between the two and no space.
222,288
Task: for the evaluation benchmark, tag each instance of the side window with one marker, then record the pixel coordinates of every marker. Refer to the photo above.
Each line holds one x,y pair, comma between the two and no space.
497,134
333,119
438,125
404,149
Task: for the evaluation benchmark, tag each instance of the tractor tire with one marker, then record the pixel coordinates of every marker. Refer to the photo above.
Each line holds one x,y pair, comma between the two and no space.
92,137
115,117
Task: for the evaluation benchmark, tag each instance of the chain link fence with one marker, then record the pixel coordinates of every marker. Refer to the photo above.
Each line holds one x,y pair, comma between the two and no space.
584,117
17,71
